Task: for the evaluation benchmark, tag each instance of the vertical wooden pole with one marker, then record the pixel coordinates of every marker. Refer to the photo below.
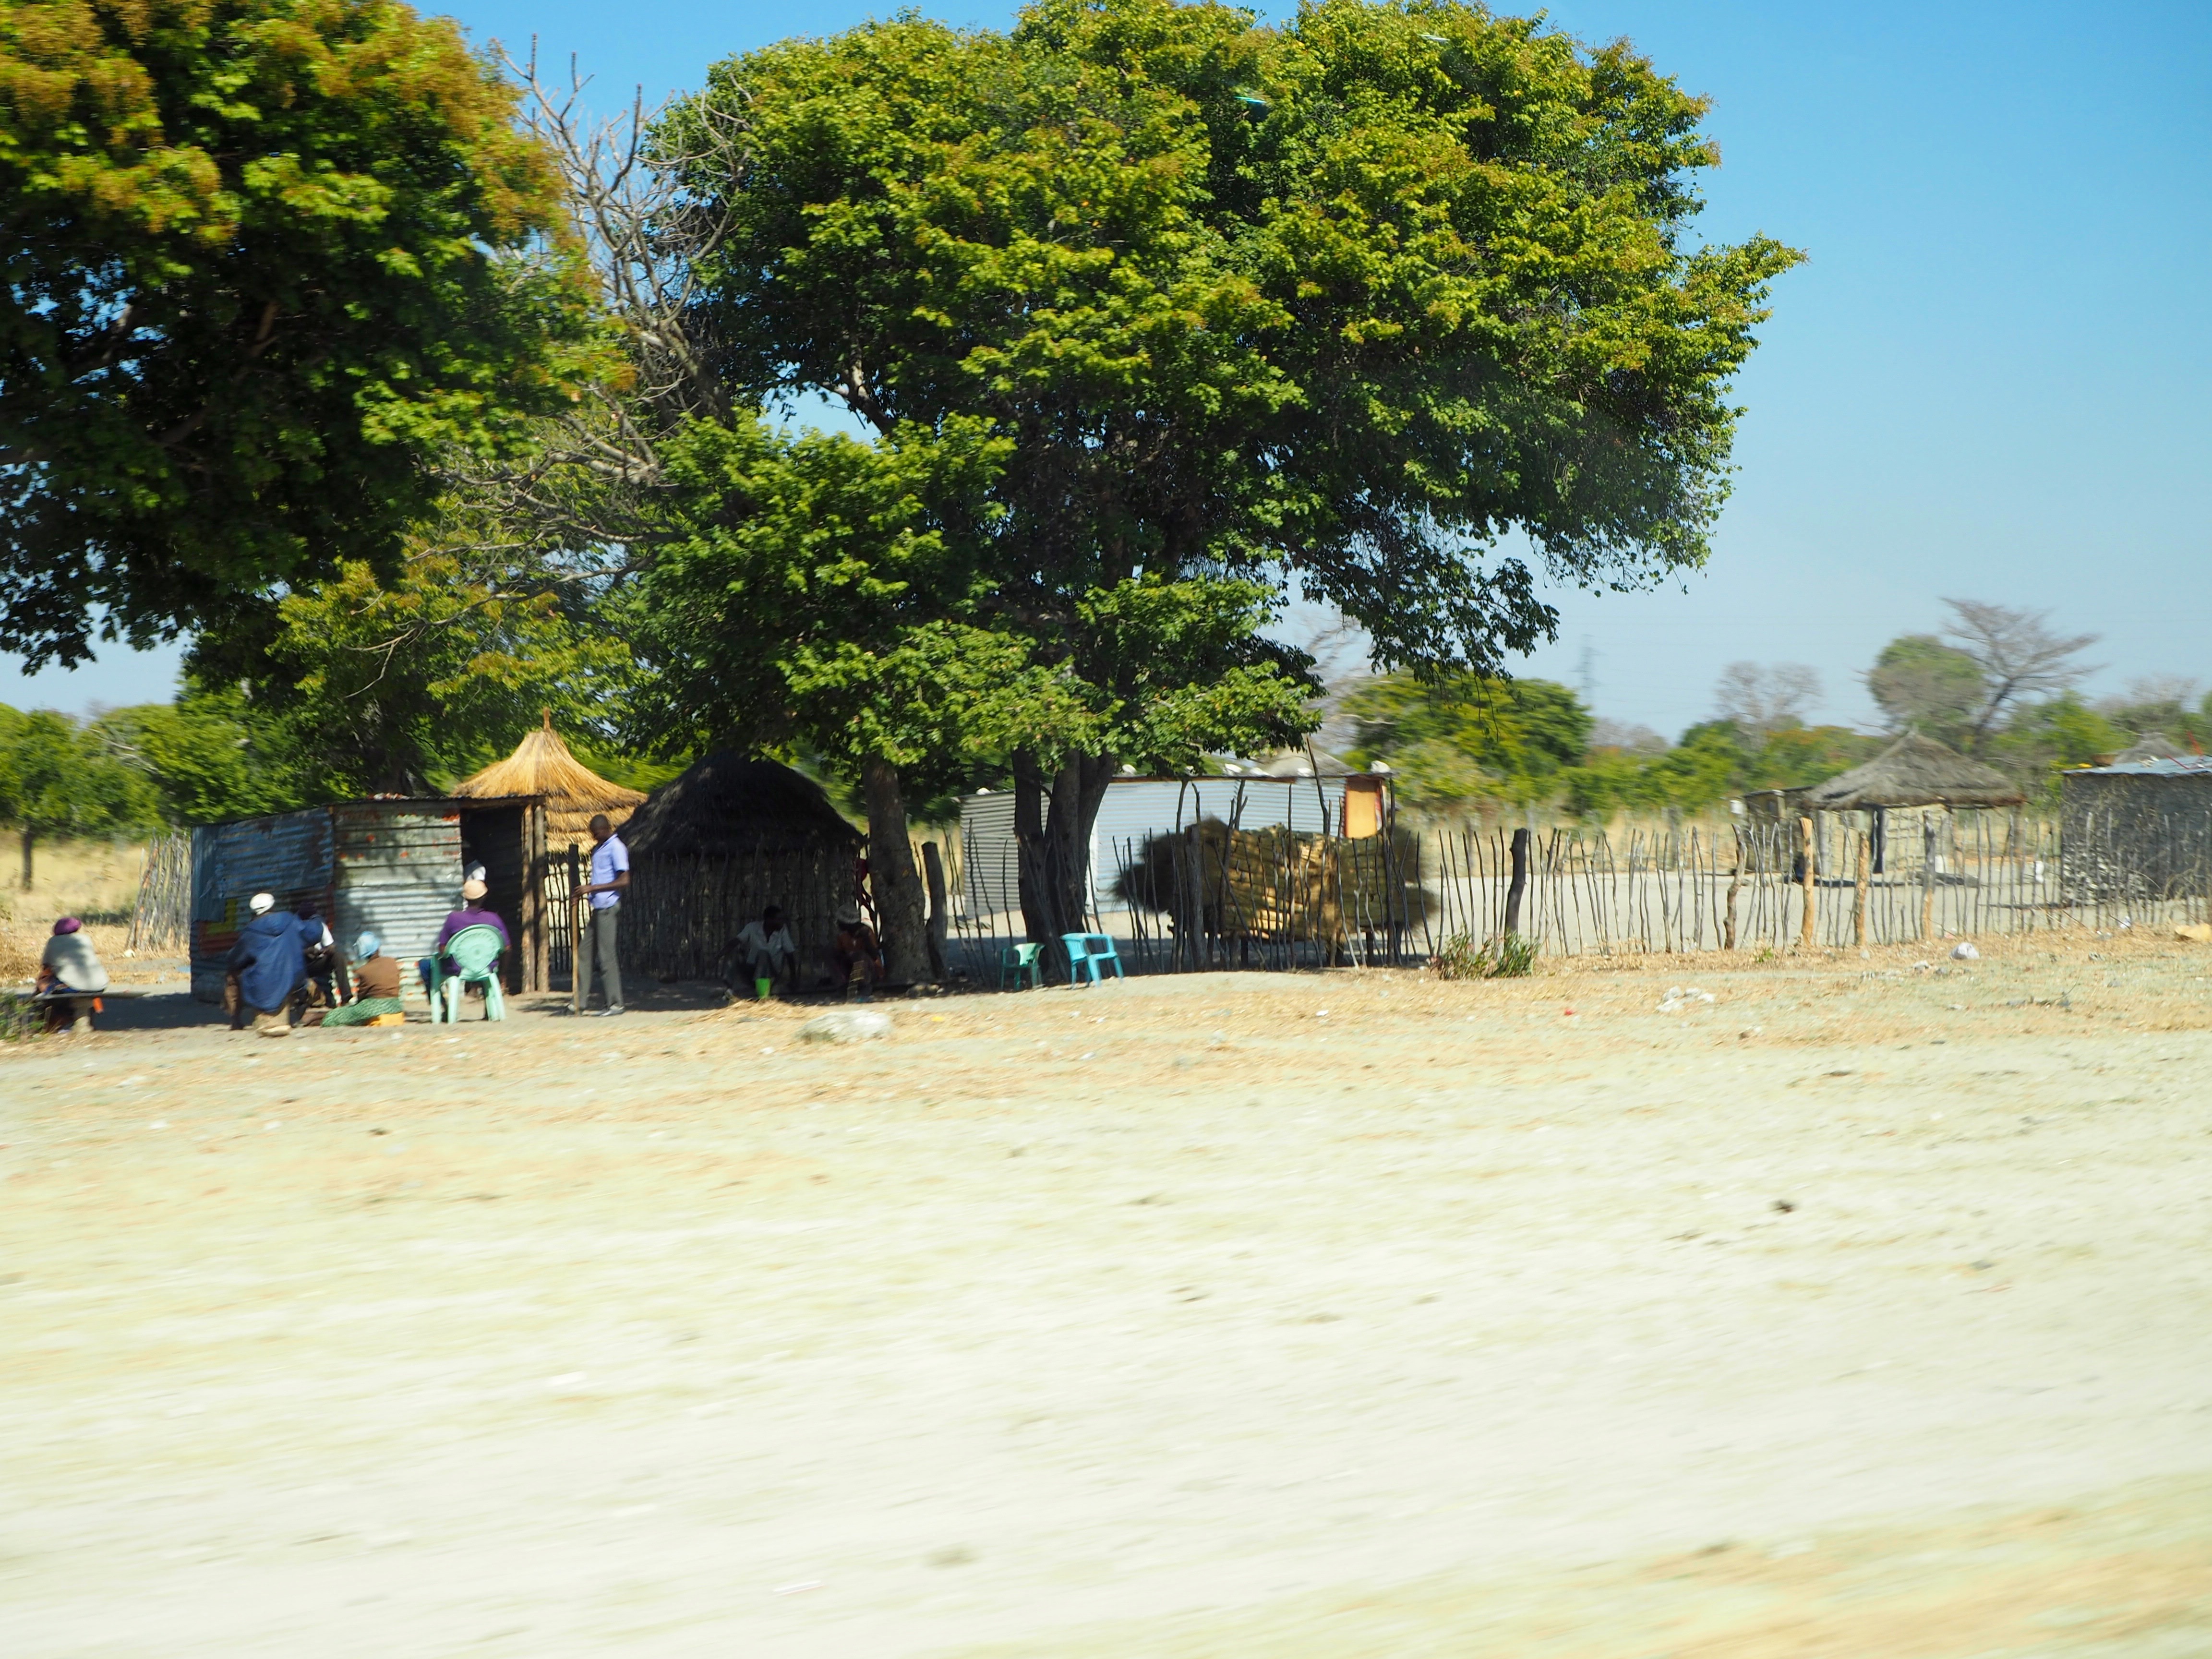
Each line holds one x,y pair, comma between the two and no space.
1518,888
1926,876
1190,933
1859,883
932,870
1810,877
1735,886
575,929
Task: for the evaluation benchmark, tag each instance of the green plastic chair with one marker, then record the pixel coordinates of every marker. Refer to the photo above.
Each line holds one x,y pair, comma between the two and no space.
1020,959
1085,951
475,953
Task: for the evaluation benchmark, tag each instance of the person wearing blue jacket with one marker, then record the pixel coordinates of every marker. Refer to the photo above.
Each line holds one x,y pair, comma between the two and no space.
271,963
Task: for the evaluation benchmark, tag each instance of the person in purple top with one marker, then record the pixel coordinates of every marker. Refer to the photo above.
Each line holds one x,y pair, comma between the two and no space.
470,914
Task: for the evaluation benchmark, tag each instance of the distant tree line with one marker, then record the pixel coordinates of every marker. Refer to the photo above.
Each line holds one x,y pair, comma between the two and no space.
1995,683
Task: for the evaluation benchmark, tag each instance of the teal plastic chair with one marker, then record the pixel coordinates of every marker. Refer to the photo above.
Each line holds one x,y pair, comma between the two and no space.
1086,950
1020,959
475,953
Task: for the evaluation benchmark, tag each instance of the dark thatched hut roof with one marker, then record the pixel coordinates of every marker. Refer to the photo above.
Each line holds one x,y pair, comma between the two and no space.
731,803
1915,771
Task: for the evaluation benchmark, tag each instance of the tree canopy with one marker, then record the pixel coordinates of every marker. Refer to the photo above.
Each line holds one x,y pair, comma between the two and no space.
1342,301
265,260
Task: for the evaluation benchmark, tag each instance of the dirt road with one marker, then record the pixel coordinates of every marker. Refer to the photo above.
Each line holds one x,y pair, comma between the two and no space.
1859,1311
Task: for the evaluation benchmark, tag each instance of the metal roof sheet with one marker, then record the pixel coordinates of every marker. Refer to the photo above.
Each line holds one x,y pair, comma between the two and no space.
2184,766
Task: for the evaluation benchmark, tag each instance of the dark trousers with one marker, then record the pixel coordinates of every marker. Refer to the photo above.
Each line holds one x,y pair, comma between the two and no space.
599,931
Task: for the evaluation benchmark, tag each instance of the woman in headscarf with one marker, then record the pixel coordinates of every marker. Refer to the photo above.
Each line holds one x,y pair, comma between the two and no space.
375,985
69,963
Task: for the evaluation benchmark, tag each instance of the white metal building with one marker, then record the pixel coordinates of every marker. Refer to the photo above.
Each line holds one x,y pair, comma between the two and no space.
1136,807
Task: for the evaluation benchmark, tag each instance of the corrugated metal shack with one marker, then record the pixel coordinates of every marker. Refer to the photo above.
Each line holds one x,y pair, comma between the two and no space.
393,867
2137,829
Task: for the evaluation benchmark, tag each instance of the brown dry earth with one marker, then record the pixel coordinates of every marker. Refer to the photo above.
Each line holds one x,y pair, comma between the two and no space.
1863,1310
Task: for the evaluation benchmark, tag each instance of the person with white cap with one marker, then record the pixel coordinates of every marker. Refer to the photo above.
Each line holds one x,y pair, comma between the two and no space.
271,963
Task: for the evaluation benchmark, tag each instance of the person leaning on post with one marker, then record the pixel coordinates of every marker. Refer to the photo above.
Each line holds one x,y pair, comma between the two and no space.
604,893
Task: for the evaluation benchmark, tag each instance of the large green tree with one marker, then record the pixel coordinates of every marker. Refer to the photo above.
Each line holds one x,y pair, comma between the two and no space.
1467,740
828,595
58,778
265,260
1923,684
1338,304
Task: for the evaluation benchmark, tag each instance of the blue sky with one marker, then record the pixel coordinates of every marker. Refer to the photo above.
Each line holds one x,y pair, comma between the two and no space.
1988,381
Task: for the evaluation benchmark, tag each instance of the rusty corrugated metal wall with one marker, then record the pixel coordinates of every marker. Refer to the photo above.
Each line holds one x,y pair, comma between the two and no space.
398,874
390,867
288,854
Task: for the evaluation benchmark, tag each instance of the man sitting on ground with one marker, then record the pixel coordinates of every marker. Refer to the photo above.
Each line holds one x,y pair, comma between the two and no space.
67,964
375,985
470,914
761,953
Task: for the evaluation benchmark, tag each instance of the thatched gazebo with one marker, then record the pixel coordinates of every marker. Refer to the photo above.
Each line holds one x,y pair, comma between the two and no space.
1915,784
713,846
1915,771
542,765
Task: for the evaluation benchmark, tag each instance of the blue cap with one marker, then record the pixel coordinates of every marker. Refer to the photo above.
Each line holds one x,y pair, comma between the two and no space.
367,946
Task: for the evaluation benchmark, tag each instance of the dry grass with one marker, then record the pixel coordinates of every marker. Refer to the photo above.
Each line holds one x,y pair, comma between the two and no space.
97,880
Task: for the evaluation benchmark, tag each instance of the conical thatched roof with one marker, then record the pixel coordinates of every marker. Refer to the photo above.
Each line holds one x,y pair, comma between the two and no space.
542,765
730,803
1915,771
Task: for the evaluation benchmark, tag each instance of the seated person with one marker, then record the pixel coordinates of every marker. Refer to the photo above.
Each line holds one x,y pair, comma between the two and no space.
270,963
763,950
860,957
470,914
375,985
325,987
69,964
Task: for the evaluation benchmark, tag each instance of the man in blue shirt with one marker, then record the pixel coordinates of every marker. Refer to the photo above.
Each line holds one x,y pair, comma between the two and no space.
609,881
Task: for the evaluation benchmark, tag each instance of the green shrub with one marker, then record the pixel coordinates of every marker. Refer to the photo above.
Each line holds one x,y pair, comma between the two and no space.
1513,957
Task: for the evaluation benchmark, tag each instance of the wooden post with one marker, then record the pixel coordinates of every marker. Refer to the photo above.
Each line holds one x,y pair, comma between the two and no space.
1735,886
1810,878
1517,888
1193,930
1859,884
933,869
575,929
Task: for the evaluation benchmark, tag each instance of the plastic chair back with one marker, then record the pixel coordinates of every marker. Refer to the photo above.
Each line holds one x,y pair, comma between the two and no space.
475,953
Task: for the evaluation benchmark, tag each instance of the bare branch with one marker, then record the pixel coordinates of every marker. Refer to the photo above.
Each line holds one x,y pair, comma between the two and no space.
2018,655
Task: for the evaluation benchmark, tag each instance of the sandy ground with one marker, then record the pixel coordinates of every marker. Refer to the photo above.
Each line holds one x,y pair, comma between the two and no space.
1860,1311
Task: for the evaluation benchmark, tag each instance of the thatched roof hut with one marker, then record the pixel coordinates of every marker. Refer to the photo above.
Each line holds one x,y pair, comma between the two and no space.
731,804
542,765
1915,771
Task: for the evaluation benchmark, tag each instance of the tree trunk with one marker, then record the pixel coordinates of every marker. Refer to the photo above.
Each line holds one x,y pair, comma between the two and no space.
1054,836
29,836
897,884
